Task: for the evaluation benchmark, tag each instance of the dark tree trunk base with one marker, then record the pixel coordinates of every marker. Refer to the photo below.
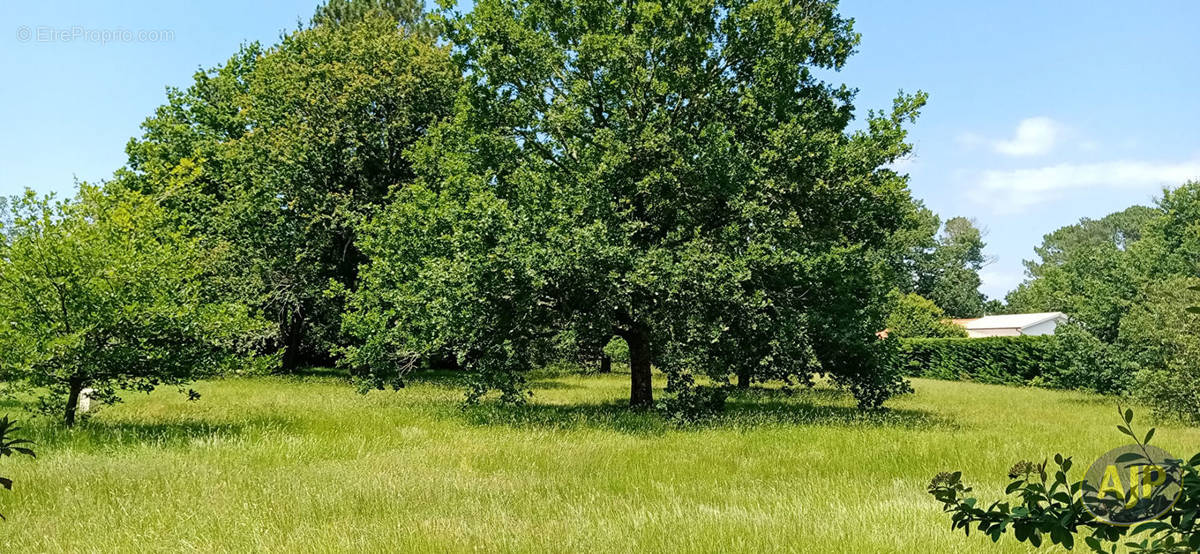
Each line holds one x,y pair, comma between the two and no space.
743,380
641,392
74,388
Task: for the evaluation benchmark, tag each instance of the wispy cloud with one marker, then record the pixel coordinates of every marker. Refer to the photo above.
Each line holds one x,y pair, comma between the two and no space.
1007,191
1034,136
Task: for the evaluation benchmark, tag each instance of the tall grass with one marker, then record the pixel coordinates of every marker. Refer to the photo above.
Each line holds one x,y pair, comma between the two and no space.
309,465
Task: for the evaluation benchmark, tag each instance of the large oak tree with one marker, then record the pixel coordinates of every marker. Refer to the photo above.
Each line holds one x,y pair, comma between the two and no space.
672,173
279,154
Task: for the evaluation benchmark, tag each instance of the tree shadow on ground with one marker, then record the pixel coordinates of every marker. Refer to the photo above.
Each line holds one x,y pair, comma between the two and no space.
743,411
1094,400
441,378
323,372
551,384
97,433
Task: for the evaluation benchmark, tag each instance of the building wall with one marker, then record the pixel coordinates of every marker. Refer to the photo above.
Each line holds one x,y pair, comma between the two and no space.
1002,332
1043,328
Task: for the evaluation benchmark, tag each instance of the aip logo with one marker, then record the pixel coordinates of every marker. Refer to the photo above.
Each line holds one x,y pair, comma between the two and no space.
1132,484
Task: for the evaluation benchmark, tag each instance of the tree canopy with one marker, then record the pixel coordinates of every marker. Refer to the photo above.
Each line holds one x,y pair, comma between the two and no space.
674,174
1125,279
945,266
914,316
280,153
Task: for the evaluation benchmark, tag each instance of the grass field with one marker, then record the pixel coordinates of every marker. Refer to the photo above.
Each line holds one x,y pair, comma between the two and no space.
308,465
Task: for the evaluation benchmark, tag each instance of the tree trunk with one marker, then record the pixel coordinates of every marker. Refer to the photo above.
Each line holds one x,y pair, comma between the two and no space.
293,338
641,395
605,364
74,387
743,378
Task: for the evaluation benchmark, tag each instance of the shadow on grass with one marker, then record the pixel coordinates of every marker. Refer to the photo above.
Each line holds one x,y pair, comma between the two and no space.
1092,399
551,384
450,378
102,434
745,410
316,372
442,378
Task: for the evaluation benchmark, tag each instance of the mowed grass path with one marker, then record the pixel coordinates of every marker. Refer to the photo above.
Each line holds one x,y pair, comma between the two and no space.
309,465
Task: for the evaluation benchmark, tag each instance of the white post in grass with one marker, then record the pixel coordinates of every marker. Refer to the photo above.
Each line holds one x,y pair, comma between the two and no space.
85,400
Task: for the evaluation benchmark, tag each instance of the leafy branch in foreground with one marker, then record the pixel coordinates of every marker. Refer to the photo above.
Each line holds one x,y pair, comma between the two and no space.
9,445
1048,505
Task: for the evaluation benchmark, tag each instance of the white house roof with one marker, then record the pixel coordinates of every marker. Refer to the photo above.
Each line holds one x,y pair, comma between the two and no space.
1013,321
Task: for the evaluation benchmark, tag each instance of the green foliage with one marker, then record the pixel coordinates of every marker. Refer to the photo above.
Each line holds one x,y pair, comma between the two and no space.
948,273
994,360
11,444
617,350
914,316
1096,270
1048,506
277,155
687,403
1084,362
409,15
1072,359
672,174
1165,337
103,292
1124,278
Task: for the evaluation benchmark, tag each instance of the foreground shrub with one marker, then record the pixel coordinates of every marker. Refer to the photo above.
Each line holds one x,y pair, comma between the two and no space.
688,403
10,445
1047,506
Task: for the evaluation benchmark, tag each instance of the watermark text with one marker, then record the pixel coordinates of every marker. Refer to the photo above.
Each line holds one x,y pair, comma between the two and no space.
91,35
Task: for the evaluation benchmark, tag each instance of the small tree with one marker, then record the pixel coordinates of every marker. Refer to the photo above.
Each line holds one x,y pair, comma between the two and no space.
100,293
914,316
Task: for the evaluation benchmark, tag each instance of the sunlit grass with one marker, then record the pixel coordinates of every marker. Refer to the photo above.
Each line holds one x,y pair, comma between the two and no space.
309,465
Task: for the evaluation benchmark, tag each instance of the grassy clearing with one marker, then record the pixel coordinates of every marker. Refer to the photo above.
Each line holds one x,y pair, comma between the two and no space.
308,465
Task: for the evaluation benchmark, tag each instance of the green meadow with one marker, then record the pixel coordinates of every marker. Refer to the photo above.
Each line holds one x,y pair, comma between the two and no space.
306,464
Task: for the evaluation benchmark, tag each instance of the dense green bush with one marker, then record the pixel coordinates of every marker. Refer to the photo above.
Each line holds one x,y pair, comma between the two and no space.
997,360
1071,360
1163,337
1084,362
914,316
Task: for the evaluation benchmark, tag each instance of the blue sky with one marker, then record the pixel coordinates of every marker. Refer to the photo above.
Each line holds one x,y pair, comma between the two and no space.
1040,112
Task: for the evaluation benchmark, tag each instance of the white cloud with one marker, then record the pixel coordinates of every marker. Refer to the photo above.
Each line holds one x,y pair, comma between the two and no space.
1008,191
1034,136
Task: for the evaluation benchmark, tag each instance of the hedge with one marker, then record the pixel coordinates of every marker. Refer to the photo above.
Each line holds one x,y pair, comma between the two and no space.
1070,359
997,360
